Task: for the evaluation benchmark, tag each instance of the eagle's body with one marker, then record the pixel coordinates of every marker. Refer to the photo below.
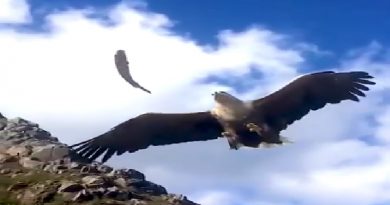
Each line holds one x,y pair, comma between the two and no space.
232,113
244,123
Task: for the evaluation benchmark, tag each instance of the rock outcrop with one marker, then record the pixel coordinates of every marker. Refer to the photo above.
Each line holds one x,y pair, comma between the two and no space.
35,168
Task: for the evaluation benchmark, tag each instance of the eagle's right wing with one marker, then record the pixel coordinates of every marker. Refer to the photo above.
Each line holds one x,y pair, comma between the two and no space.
150,129
122,65
311,92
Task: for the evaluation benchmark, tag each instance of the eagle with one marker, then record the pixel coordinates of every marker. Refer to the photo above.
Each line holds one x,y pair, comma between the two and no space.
250,123
122,66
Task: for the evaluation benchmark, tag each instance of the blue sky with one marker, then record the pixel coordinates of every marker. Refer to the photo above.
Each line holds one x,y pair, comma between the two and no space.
332,25
248,48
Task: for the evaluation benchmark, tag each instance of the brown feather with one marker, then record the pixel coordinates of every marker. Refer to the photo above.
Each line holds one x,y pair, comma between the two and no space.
150,129
310,92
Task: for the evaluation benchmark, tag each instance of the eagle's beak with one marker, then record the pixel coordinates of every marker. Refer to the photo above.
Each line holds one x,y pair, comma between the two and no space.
213,94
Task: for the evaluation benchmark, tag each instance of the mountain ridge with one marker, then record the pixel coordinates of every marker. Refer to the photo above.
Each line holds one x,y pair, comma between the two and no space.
36,168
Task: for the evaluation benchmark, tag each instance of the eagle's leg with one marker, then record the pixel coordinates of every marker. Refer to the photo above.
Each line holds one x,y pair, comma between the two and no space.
228,132
232,138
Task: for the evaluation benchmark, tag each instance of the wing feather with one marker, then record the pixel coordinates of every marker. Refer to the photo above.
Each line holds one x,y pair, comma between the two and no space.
150,129
311,92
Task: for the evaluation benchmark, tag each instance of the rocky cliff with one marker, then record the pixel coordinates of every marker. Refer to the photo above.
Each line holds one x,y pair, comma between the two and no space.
35,168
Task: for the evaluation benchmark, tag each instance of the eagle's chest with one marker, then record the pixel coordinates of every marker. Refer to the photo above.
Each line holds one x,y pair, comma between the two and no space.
231,112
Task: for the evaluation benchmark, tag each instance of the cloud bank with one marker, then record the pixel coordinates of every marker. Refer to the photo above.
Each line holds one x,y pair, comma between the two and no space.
66,81
14,12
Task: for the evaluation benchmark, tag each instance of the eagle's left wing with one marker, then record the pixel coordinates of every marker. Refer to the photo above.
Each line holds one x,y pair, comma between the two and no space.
122,65
150,129
311,92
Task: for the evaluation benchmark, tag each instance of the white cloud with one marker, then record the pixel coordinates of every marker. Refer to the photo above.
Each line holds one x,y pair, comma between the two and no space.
357,173
76,60
14,11
218,197
383,133
211,197
66,81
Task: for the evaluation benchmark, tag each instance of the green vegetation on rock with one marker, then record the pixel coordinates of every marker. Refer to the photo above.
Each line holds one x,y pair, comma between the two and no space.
36,169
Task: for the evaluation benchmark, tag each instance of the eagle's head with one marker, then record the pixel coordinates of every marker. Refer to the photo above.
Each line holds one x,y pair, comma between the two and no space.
229,107
223,97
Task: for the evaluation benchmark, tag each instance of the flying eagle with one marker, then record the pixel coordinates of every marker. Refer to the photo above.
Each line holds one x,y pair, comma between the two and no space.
244,123
122,65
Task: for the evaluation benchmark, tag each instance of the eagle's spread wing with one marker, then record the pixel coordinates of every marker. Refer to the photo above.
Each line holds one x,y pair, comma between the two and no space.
122,66
150,129
311,92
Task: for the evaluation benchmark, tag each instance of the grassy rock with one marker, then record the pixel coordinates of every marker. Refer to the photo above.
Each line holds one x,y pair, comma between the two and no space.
37,169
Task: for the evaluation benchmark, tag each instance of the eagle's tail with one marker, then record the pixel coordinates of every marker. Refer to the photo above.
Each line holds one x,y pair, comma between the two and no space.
284,141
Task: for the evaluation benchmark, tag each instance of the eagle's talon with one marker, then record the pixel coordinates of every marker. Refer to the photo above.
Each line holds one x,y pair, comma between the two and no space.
249,125
254,128
226,134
